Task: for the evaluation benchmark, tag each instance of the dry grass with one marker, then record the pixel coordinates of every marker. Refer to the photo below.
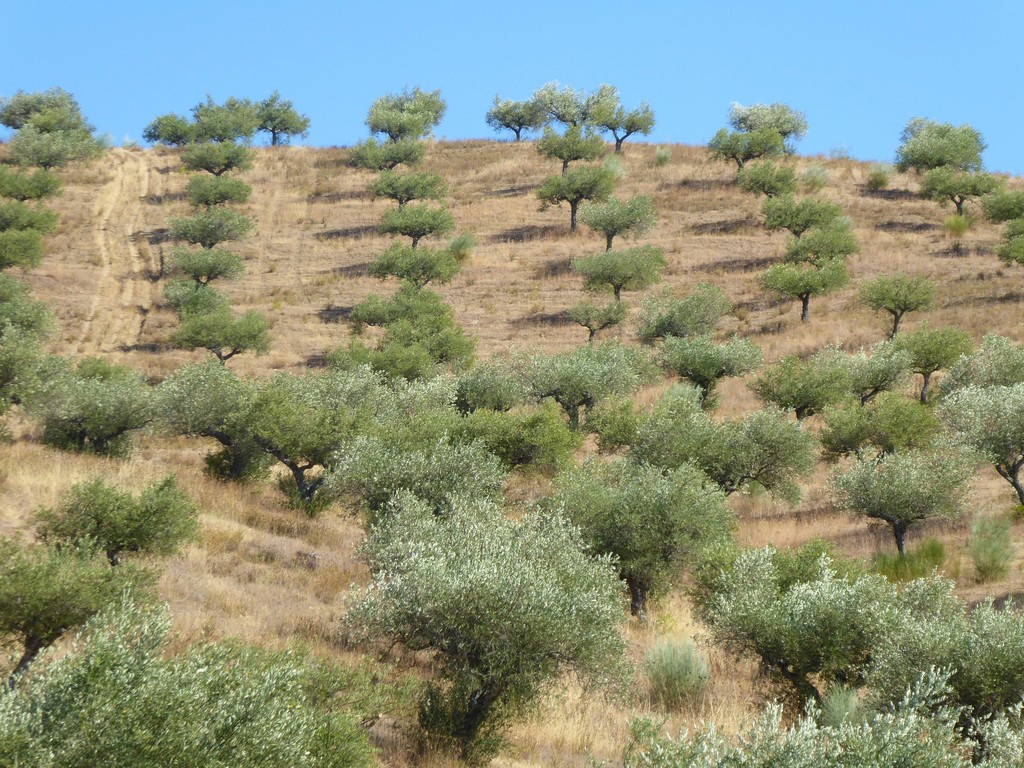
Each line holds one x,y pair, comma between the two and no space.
269,574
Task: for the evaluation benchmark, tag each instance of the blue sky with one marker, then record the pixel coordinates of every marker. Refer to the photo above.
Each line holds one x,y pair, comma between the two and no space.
858,69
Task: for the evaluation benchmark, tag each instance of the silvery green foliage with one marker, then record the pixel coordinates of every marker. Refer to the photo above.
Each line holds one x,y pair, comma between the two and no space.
575,108
703,362
879,369
906,488
990,420
651,520
516,116
762,449
798,216
807,386
697,313
408,115
94,407
613,217
781,118
983,648
812,632
998,362
581,377
506,608
919,731
376,469
119,701
927,144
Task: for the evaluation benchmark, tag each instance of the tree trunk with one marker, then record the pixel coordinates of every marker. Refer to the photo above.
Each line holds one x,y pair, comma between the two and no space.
637,599
899,532
896,317
618,145
574,206
593,333
113,557
33,645
959,203
618,292
415,240
565,167
608,242
1011,474
924,386
805,301
519,133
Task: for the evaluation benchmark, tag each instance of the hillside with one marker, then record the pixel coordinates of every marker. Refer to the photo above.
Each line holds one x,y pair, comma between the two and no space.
270,574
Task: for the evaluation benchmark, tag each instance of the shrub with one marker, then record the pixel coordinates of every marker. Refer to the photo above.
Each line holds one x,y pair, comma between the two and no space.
814,179
920,561
990,548
506,608
879,177
676,672
662,156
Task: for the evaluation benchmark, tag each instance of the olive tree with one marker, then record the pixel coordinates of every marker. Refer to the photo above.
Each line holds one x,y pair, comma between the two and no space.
94,407
990,421
375,156
236,119
612,218
631,270
575,144
204,265
582,377
408,115
933,349
279,118
621,123
406,187
807,625
905,488
762,450
918,727
802,281
741,147
997,362
376,470
651,520
217,158
697,313
768,179
96,513
703,362
505,608
126,695
416,221
788,123
516,116
889,423
576,186
18,184
45,591
926,144
948,184
417,266
898,294
224,334
798,216
170,129
50,129
596,318
876,370
212,226
575,108
208,191
805,387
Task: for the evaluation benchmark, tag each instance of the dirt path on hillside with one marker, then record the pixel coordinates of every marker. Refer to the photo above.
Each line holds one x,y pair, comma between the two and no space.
123,294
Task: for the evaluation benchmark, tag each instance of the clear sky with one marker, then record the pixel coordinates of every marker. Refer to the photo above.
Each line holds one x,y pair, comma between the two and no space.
859,69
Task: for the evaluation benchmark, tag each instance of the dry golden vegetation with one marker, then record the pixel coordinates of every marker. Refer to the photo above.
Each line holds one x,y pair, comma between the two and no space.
270,574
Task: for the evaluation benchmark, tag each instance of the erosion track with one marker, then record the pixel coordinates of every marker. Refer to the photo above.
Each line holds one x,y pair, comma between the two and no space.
123,294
